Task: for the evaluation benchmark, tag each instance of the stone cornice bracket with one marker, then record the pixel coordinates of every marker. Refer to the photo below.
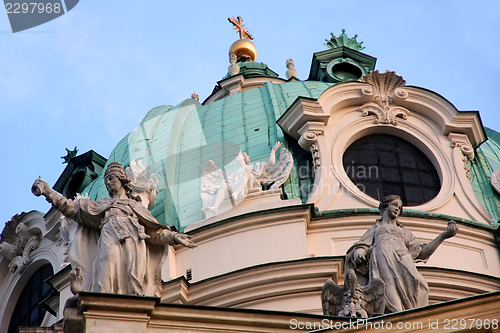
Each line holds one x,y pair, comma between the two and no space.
308,141
309,138
304,120
461,141
468,124
384,89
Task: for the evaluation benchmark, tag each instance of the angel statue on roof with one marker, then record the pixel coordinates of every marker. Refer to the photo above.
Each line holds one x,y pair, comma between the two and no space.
118,247
217,186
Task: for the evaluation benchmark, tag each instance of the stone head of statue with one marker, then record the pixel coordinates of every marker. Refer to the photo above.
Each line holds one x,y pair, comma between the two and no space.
116,171
392,202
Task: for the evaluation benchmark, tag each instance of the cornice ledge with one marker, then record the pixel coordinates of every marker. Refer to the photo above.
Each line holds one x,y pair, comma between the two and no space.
175,291
239,83
347,212
233,84
117,302
304,120
467,123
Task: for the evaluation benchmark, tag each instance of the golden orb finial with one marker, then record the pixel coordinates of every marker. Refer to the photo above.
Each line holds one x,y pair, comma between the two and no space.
244,50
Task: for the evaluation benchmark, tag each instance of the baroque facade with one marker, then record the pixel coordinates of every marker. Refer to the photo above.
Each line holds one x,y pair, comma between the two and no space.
355,135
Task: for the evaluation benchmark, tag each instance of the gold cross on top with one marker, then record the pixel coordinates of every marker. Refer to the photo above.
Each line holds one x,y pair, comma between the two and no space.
238,25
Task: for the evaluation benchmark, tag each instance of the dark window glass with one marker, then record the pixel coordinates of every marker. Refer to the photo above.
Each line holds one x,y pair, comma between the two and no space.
28,311
382,164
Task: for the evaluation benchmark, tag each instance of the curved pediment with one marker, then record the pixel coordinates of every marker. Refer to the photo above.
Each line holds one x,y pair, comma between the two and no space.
384,105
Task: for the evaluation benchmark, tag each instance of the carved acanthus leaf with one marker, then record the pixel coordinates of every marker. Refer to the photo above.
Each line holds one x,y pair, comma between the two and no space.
388,116
316,156
461,142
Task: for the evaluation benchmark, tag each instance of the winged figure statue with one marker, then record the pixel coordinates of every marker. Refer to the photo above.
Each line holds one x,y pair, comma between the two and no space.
217,186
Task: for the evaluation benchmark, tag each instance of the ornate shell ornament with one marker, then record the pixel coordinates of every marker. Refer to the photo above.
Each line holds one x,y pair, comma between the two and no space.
384,84
383,88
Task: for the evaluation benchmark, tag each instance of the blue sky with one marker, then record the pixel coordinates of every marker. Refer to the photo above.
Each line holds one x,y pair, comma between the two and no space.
88,78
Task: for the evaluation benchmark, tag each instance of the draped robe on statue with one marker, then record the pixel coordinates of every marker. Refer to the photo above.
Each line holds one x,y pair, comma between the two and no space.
117,246
391,252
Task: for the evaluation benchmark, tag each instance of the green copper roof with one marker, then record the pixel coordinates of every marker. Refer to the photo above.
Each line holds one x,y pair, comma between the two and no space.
174,143
486,161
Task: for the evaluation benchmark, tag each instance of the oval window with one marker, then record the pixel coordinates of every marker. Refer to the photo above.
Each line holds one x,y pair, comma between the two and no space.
381,164
346,72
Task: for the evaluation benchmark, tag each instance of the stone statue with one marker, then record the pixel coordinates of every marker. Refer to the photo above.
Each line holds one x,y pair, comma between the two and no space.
119,247
142,186
381,276
216,185
290,72
233,68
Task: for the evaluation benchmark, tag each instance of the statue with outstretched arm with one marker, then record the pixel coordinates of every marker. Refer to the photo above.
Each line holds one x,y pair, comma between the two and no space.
380,271
119,246
388,251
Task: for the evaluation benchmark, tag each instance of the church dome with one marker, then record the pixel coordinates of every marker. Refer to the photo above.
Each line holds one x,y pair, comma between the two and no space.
175,142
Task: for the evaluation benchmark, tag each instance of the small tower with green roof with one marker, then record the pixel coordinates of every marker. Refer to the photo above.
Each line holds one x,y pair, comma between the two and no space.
342,62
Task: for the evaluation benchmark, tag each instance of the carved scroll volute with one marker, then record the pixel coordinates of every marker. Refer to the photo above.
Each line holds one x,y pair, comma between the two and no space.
18,250
384,89
309,138
462,143
19,263
308,141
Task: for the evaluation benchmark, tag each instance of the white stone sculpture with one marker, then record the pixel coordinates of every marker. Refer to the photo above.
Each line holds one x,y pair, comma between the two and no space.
119,247
233,68
216,185
142,186
290,72
381,276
